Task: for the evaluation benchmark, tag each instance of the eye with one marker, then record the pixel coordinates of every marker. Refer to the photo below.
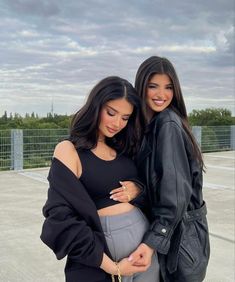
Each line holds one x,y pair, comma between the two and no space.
151,86
170,87
110,113
125,118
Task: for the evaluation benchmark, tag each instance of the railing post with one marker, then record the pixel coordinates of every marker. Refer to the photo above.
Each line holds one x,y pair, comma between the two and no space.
16,149
232,137
197,132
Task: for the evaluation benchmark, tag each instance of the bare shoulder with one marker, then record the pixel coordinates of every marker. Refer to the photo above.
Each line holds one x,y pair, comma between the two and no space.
67,154
64,148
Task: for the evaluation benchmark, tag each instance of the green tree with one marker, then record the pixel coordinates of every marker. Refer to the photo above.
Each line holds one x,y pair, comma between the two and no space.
211,117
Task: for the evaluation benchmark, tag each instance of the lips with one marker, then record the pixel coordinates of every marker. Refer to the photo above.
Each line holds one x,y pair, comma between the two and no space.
158,102
111,130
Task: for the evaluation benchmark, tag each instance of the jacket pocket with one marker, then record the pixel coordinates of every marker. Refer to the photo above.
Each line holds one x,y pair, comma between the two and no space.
194,249
187,255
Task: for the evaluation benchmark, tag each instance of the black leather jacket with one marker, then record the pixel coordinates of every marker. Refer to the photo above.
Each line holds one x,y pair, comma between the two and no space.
174,190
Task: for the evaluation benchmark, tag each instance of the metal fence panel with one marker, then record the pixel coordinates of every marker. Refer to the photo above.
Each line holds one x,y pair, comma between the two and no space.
37,148
5,149
38,144
216,138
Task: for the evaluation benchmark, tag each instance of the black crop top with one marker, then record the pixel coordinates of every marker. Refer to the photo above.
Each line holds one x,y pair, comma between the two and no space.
100,176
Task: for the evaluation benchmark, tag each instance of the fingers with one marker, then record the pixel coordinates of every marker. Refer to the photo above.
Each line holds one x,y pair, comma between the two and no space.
127,268
142,262
120,189
123,197
121,194
135,256
119,197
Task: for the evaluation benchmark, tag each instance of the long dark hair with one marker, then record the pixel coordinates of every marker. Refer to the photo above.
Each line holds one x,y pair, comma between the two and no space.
158,65
85,123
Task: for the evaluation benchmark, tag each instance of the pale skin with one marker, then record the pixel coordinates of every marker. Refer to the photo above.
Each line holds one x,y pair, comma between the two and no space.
159,94
114,117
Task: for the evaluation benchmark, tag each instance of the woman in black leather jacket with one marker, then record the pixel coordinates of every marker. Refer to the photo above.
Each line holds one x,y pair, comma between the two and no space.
171,165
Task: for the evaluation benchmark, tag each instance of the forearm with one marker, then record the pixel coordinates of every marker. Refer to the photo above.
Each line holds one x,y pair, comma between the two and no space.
108,265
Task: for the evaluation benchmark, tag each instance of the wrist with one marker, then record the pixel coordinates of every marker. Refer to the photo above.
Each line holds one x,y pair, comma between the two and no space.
148,248
114,270
118,269
117,272
108,265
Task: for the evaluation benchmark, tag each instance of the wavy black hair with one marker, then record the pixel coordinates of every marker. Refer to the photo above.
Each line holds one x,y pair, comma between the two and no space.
84,129
160,65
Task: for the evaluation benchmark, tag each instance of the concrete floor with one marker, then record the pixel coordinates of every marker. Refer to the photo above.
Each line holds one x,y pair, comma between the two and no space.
24,258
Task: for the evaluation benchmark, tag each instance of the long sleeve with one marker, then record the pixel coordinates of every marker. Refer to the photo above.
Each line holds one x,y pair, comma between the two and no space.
71,227
141,200
172,187
67,234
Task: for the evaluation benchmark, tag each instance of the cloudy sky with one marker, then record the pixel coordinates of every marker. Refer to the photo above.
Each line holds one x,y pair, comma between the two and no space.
54,51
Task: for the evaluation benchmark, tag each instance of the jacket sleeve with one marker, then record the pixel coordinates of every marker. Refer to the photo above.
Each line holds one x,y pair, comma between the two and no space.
172,187
67,234
141,200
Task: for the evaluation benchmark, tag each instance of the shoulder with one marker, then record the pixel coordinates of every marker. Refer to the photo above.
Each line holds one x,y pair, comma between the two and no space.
168,115
166,118
64,149
168,123
67,154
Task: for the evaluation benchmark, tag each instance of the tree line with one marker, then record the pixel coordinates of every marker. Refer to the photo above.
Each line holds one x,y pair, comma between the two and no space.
33,121
207,117
39,144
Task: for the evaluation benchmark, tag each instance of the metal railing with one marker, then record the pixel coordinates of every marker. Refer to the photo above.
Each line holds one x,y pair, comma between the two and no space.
28,148
31,148
5,149
217,138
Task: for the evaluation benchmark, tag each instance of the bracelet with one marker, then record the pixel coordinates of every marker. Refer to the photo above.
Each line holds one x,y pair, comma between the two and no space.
118,274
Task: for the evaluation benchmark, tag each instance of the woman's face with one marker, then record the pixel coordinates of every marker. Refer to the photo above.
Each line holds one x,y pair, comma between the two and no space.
114,117
159,92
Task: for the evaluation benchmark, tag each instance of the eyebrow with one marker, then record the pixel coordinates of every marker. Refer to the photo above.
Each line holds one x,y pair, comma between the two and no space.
117,111
158,84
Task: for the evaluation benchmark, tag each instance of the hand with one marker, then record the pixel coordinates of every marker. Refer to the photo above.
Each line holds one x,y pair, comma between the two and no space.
127,192
142,256
127,268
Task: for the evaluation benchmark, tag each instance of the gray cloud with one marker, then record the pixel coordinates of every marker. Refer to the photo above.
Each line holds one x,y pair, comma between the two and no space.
60,49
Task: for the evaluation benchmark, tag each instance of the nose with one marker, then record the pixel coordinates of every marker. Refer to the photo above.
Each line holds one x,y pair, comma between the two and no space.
161,92
117,122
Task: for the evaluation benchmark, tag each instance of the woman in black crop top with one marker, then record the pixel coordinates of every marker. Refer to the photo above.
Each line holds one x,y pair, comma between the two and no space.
84,221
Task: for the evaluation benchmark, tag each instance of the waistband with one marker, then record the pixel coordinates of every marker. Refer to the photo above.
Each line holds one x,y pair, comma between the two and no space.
195,214
115,222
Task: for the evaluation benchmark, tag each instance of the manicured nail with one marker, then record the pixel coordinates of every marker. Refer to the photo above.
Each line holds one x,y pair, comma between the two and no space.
130,258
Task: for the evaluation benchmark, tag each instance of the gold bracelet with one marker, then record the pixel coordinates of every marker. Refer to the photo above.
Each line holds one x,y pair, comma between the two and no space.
118,274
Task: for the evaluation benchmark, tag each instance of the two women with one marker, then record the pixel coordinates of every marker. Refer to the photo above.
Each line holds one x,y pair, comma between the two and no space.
83,220
169,163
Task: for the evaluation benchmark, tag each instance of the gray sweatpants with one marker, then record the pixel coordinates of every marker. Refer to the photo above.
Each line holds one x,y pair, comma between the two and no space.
124,233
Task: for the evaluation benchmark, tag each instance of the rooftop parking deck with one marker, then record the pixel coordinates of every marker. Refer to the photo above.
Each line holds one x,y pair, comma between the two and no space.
23,257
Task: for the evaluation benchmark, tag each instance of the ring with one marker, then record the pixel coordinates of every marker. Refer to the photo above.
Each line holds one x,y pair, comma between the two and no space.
124,187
